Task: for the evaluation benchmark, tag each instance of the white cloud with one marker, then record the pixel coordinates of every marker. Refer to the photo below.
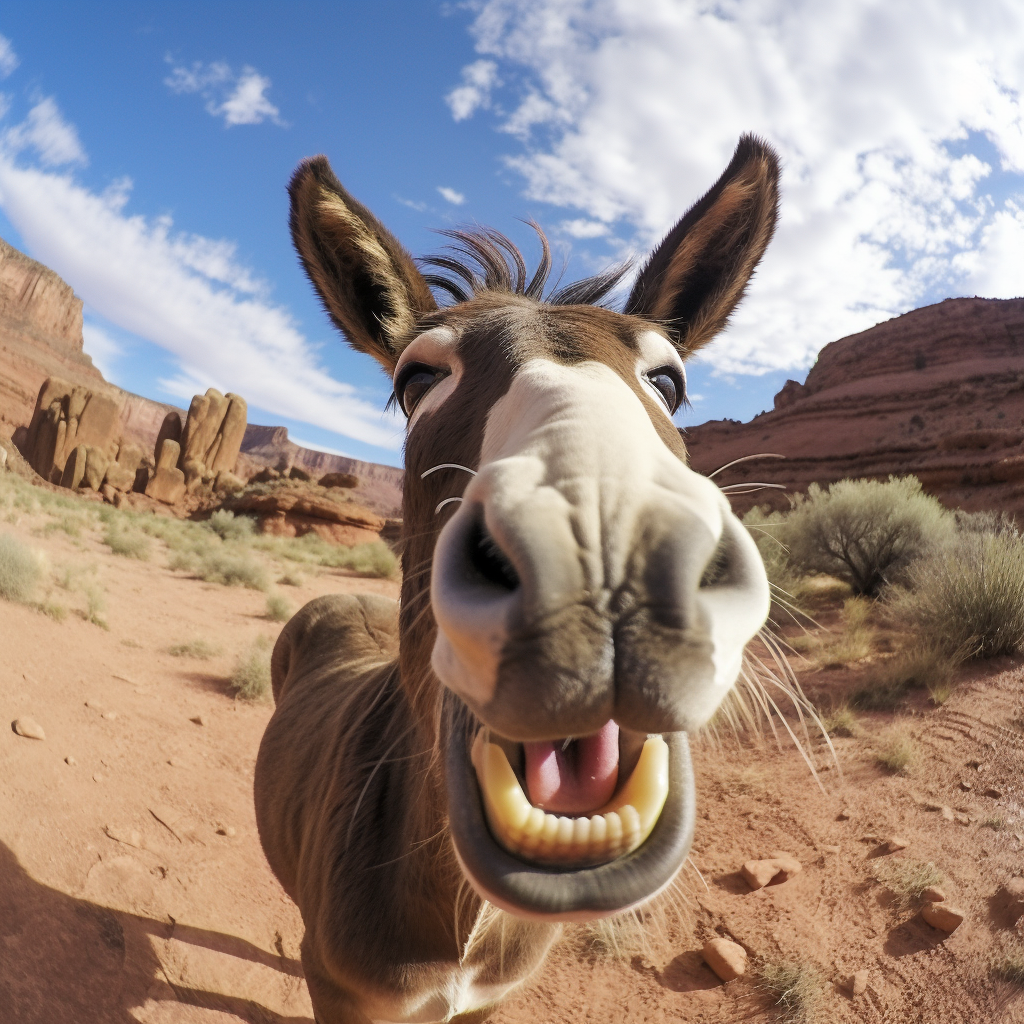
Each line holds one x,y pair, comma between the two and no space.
46,131
581,227
186,294
453,197
8,58
239,99
102,349
478,79
628,112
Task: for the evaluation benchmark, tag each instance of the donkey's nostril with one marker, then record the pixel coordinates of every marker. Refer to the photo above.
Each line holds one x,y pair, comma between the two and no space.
489,560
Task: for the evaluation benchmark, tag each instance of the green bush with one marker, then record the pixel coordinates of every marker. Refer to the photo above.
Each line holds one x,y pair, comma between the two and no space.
865,532
228,526
920,667
199,649
20,571
127,542
251,676
230,568
968,597
279,608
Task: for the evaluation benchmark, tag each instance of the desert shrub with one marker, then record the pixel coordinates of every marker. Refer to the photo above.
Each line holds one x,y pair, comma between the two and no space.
907,880
292,578
841,721
20,569
968,597
53,610
863,531
1010,967
767,530
230,568
250,678
279,608
228,526
988,521
796,989
374,559
198,648
897,750
920,667
126,541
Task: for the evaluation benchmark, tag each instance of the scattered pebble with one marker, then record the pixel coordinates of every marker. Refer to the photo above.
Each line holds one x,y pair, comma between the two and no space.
780,868
943,916
931,805
198,719
825,848
226,830
29,728
109,715
859,983
933,895
843,816
726,958
995,794
976,765
963,819
896,843
947,813
70,760
966,786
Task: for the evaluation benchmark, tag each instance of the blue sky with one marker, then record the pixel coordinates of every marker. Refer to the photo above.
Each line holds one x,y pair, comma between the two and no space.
145,149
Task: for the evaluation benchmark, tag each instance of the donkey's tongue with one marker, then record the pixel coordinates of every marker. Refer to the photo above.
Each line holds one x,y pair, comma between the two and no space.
575,778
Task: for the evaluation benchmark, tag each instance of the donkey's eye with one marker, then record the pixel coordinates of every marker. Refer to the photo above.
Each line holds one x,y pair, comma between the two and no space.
668,382
415,380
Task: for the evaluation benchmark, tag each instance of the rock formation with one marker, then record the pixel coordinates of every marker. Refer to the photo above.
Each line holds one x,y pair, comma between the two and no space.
212,437
938,392
167,484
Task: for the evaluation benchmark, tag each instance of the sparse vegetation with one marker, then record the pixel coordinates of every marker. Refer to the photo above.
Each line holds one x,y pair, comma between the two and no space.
20,569
1010,967
292,579
886,685
53,610
250,678
864,532
796,989
907,879
279,608
996,822
126,541
230,568
897,750
198,648
968,597
228,526
841,721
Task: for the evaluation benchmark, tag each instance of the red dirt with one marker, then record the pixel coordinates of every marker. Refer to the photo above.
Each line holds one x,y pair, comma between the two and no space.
174,922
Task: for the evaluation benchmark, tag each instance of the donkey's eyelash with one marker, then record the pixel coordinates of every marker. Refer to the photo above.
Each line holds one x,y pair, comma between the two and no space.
392,403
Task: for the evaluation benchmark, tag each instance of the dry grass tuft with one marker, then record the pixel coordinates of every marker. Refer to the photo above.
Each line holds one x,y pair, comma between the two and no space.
251,676
797,990
279,608
20,569
199,649
125,541
1010,967
886,685
897,750
907,879
842,721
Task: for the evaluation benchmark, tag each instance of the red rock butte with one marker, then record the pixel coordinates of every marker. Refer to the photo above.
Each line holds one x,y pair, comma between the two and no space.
937,392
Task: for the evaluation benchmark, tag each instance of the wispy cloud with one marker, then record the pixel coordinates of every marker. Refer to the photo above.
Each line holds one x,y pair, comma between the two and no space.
8,58
239,99
183,292
451,196
45,130
478,79
893,122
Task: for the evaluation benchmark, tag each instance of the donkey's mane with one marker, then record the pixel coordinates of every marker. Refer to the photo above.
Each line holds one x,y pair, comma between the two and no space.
482,259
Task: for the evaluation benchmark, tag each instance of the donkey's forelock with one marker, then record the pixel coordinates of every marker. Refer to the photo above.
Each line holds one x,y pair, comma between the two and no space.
484,260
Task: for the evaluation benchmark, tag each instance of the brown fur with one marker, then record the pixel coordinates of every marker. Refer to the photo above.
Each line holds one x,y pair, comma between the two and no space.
349,786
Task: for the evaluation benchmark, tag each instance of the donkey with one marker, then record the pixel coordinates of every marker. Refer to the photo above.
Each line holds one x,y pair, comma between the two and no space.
447,779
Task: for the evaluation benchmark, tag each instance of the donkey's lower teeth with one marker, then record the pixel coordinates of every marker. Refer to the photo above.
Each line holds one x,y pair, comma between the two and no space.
615,830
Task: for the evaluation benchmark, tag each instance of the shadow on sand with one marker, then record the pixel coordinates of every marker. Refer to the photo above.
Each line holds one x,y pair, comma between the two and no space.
67,959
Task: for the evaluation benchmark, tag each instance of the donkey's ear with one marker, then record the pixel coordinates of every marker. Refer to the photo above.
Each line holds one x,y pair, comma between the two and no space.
698,274
368,283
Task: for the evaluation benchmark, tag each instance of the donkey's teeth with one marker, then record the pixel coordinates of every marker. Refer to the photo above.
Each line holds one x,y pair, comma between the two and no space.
617,829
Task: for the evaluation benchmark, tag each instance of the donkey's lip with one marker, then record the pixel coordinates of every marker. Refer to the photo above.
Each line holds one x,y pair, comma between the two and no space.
561,891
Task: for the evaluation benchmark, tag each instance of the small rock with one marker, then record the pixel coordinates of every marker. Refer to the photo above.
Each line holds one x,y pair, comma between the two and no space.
976,765
828,848
760,873
97,777
1012,893
966,786
726,958
995,794
175,762
843,816
198,719
109,715
859,983
29,728
896,843
930,805
943,916
226,830
933,895
963,819
70,760
947,813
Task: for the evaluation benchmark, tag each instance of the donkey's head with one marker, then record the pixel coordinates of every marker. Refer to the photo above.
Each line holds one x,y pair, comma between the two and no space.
586,598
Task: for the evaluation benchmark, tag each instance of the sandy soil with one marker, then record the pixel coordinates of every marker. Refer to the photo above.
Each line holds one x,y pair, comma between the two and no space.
133,887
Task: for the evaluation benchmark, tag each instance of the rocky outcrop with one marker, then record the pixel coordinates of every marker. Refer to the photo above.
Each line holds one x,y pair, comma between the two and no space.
938,392
377,487
293,509
167,484
211,437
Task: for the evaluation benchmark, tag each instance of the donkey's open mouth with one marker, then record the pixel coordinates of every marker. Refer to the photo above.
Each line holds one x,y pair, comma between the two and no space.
625,821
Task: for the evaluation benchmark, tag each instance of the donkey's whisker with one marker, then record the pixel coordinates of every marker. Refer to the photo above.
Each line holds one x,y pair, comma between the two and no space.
446,465
447,501
746,458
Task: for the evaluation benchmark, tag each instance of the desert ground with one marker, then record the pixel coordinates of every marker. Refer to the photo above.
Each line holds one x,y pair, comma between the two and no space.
133,887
